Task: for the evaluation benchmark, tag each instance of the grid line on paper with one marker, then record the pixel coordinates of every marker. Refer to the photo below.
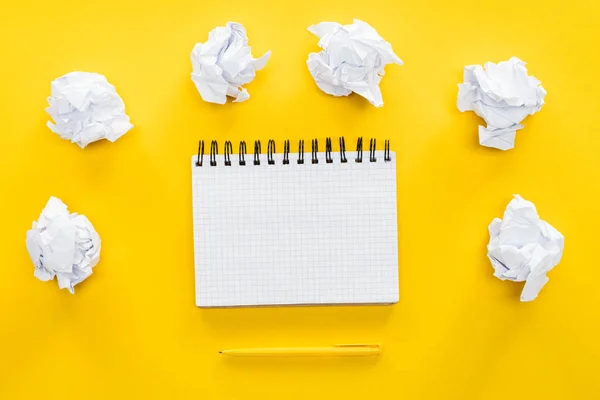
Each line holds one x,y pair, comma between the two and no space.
295,234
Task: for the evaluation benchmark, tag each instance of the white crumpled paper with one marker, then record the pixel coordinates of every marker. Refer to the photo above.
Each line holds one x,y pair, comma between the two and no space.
523,247
63,244
502,94
224,63
352,60
86,108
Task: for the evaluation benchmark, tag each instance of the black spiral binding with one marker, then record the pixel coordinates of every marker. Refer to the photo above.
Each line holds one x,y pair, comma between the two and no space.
343,150
270,151
301,152
228,151
214,150
257,152
372,146
200,153
386,151
359,151
286,152
242,153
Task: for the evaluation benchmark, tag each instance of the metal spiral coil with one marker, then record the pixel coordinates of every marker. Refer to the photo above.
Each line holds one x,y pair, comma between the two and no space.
242,152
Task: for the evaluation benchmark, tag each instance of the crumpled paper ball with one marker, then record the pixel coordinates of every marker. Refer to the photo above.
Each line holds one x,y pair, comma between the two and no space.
502,94
522,247
63,245
86,108
352,60
224,63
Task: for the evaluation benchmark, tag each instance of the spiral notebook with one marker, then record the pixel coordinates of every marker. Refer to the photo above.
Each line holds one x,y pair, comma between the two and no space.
294,229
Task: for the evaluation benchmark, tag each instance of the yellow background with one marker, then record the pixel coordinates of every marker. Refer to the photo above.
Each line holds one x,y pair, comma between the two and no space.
132,330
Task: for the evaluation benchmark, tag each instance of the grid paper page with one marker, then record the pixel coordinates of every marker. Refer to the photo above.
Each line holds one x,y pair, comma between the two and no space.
295,234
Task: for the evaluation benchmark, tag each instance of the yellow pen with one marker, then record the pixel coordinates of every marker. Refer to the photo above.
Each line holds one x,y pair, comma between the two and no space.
338,350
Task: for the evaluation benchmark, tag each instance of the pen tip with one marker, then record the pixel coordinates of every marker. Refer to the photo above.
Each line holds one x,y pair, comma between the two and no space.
221,352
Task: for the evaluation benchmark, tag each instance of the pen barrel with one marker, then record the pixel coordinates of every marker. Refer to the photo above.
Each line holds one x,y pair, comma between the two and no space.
305,352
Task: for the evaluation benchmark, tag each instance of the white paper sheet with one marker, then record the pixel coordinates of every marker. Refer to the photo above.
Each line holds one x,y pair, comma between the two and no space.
63,245
502,94
224,63
278,234
86,108
352,60
522,247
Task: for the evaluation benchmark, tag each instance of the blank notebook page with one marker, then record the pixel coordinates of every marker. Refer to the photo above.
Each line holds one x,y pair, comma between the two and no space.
295,234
